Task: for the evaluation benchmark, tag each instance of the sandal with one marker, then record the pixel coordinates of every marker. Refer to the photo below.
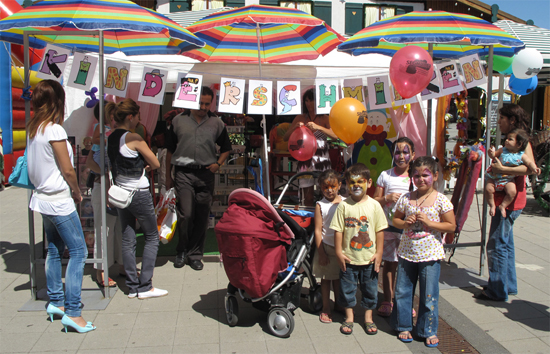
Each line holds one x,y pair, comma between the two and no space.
345,326
325,317
431,345
405,340
385,309
101,283
371,328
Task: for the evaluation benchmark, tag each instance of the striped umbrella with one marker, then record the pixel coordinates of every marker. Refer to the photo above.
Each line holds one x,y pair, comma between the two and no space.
452,35
273,34
127,26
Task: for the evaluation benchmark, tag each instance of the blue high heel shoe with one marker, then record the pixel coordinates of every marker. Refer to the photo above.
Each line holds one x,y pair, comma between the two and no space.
67,322
52,310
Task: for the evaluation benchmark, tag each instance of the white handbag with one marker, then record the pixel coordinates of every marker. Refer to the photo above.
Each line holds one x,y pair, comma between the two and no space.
119,197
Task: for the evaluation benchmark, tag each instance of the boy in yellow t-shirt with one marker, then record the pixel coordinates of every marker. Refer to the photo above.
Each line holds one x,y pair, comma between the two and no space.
359,224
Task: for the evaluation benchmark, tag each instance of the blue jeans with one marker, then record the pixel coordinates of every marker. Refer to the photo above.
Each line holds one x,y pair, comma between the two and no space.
501,256
64,231
141,208
427,273
368,280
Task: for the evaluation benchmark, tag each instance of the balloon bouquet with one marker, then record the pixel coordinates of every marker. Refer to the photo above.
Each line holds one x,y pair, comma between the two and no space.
348,120
522,68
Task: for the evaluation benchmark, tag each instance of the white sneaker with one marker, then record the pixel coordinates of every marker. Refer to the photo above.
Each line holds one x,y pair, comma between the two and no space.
155,292
132,295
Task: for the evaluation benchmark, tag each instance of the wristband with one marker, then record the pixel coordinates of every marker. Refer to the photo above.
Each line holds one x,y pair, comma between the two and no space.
219,164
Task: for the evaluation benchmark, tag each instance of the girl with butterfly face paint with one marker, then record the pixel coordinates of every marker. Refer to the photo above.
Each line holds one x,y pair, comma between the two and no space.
391,184
424,215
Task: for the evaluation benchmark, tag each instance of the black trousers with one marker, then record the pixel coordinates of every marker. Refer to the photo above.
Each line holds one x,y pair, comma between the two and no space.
194,190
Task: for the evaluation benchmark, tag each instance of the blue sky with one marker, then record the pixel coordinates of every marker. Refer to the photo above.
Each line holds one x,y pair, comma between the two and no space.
536,10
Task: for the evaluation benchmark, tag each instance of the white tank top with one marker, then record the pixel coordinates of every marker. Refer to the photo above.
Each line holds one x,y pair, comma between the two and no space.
327,212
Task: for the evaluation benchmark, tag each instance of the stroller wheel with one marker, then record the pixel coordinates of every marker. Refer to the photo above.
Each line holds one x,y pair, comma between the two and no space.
280,322
315,299
231,310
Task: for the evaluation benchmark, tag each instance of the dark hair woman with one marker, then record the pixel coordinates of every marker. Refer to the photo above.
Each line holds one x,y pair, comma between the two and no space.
500,246
130,156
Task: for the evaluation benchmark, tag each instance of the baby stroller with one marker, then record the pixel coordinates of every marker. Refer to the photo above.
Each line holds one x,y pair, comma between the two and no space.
263,249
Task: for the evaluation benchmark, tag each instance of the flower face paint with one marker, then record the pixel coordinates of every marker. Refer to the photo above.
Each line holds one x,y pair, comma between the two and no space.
330,188
423,177
402,154
358,185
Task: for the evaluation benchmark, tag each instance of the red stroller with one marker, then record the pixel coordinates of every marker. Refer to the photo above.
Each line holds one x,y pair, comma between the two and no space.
262,250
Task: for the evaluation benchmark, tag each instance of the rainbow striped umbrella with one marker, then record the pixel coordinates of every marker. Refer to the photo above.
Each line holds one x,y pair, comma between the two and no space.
273,34
452,35
127,26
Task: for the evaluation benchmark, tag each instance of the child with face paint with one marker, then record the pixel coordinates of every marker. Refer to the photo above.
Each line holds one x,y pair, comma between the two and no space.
391,184
512,154
325,263
425,215
358,225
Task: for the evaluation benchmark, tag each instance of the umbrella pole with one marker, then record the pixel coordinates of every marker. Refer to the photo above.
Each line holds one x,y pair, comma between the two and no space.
429,113
264,125
30,216
103,188
487,145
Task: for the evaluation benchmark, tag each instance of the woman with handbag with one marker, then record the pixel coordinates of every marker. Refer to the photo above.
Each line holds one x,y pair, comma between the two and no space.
130,158
51,170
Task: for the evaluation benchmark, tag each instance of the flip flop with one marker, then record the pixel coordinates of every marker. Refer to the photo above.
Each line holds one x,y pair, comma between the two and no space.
431,345
346,325
405,340
371,326
101,283
325,317
385,309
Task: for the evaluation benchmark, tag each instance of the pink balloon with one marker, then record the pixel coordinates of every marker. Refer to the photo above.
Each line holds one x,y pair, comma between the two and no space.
411,70
302,144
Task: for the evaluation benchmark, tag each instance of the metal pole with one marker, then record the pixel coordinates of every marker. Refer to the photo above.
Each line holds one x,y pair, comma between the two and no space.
32,273
102,179
486,157
429,113
500,103
263,124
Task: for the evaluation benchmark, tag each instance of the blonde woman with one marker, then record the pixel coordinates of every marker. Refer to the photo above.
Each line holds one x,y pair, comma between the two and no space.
51,170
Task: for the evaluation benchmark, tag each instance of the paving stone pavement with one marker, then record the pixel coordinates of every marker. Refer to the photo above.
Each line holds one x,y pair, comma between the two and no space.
191,319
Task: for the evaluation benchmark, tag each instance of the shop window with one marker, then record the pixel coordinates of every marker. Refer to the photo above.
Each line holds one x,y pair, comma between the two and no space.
206,4
304,6
150,4
374,13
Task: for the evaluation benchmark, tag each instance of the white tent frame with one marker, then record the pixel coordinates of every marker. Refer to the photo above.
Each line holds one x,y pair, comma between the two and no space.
32,273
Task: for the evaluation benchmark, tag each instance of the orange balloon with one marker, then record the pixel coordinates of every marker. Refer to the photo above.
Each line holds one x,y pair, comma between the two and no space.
348,119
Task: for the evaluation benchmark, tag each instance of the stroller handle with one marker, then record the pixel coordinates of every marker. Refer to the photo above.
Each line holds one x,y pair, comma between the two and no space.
314,174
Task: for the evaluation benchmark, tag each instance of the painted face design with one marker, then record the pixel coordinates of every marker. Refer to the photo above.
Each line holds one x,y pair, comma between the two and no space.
402,154
423,177
357,185
329,188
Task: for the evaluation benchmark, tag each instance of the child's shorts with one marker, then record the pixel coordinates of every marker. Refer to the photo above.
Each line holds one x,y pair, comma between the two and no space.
330,271
368,281
391,244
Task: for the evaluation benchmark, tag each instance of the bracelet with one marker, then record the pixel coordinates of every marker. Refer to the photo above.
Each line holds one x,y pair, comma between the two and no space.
385,198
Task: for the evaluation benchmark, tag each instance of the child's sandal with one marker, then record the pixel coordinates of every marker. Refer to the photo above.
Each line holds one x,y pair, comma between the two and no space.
345,326
371,328
385,309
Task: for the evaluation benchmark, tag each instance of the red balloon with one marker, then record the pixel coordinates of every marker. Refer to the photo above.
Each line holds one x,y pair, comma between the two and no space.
411,70
302,144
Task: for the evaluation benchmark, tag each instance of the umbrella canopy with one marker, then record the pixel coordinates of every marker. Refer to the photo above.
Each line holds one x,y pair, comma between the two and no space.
468,35
128,27
283,34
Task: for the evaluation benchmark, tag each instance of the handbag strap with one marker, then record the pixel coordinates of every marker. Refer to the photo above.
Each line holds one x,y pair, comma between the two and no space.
137,184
